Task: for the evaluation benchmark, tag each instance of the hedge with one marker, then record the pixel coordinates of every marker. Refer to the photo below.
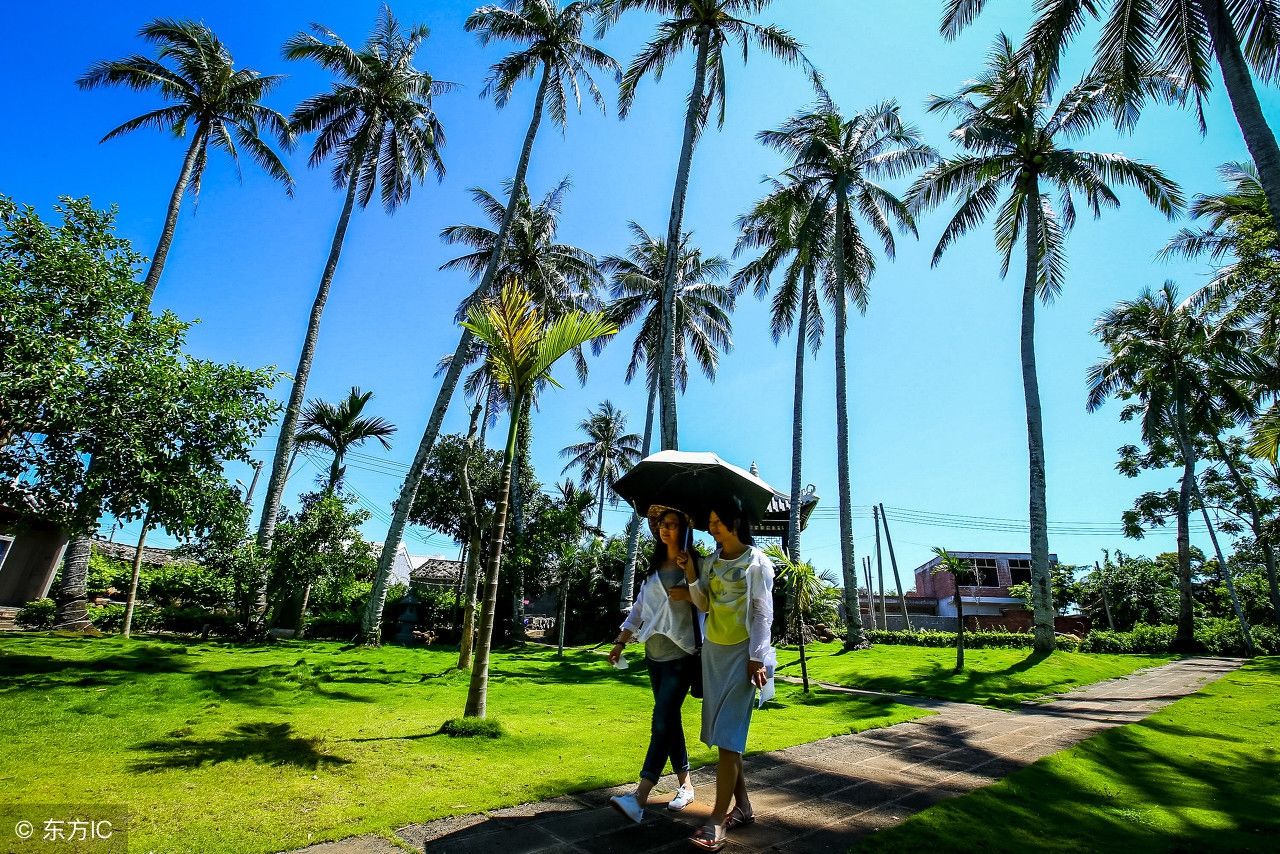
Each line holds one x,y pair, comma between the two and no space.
981,639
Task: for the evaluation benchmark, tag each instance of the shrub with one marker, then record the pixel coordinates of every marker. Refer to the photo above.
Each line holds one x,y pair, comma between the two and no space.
39,614
1221,636
981,639
472,728
110,618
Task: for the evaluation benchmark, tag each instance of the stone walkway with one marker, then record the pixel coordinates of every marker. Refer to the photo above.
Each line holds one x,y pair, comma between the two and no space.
821,796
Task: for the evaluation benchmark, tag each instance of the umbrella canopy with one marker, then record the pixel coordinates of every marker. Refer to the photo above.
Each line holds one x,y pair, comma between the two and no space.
691,481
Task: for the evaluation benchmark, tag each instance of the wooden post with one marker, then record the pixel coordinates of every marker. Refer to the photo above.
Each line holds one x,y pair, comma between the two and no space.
884,610
893,561
871,598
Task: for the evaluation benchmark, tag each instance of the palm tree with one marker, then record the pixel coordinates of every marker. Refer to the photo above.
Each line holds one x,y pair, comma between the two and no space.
338,428
380,127
1178,40
806,588
961,570
1013,138
522,347
576,504
554,49
792,234
220,106
1180,372
706,26
606,455
702,310
837,162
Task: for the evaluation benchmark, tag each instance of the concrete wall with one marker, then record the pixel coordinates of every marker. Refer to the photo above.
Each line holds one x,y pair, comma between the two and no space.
30,563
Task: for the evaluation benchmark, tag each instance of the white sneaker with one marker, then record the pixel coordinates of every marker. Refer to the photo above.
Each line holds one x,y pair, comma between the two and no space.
684,797
628,806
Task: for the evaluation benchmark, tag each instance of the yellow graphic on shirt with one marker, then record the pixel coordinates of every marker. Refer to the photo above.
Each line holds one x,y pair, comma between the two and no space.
727,617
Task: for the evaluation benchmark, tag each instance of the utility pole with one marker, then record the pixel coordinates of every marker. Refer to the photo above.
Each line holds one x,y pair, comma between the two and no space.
884,610
871,596
1102,584
893,561
253,484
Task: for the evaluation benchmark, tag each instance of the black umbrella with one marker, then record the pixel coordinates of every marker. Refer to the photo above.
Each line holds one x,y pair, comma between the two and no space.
691,481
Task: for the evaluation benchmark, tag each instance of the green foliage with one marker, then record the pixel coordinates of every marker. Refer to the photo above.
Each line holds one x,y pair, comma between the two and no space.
1139,590
979,639
321,546
37,615
595,578
1142,639
472,728
1216,636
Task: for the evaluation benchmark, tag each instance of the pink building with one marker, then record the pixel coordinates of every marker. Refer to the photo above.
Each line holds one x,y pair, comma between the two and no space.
996,573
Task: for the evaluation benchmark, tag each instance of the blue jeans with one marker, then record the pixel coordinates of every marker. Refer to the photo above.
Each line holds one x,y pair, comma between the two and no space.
670,682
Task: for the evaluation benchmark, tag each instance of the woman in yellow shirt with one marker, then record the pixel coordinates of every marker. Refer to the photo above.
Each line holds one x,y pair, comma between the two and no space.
735,588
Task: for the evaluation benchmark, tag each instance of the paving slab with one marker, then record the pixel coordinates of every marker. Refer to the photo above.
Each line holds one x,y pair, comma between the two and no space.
821,796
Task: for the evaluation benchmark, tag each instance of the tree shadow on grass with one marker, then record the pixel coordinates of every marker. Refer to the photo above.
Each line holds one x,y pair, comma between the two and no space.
22,672
265,742
263,686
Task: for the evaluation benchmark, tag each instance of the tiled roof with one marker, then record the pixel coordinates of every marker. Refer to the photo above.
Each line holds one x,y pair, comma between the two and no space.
436,570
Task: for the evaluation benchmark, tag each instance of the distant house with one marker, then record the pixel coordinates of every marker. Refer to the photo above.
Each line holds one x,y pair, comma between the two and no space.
996,572
436,571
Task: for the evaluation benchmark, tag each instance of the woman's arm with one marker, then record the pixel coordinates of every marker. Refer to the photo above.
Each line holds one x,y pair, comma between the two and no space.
635,617
693,572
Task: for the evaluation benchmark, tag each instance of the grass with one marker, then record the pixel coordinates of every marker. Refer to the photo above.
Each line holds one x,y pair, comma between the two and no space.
1201,775
992,677
218,748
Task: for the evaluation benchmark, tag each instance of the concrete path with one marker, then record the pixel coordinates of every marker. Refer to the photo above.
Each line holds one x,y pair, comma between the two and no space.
821,796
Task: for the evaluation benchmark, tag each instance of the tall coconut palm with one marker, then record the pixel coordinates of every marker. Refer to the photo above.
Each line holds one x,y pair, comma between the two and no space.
337,428
838,161
606,455
1179,39
1014,140
522,347
702,309
219,106
555,50
379,125
707,27
792,235
1180,372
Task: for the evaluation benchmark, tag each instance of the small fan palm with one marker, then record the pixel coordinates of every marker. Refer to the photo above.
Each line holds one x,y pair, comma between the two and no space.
341,427
522,347
806,589
707,27
1014,139
606,455
378,125
218,105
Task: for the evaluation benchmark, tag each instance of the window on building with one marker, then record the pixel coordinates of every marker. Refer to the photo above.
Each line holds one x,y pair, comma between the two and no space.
984,569
1019,571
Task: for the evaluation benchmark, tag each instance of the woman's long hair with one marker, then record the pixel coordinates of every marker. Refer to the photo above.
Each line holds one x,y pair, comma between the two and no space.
732,515
684,541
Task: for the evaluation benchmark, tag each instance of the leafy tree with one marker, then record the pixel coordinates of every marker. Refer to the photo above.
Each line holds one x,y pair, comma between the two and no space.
554,48
961,572
807,590
75,362
708,27
570,522
606,455
836,163
522,349
1066,590
1014,139
319,546
220,106
339,428
1167,50
704,326
379,125
1178,370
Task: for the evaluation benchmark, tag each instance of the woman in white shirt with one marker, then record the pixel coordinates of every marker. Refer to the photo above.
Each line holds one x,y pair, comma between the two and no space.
665,620
735,588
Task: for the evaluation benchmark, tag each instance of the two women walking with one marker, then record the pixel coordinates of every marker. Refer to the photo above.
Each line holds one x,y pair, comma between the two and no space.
734,588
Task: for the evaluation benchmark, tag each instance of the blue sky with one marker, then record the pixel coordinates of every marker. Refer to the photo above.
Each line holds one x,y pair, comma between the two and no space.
936,397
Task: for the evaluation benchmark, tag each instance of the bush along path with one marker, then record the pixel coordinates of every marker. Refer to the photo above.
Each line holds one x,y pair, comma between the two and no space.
826,795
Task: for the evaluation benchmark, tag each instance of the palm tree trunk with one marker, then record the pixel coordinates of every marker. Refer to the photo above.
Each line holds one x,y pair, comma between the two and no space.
562,612
893,562
285,444
477,694
470,581
1226,573
171,218
300,624
804,660
633,527
73,610
667,367
854,634
132,600
604,467
960,625
1185,640
1260,533
797,422
371,628
1258,137
1041,589
517,521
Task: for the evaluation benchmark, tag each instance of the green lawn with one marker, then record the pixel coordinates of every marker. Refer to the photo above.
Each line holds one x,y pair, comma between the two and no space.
219,748
1201,775
992,677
